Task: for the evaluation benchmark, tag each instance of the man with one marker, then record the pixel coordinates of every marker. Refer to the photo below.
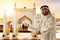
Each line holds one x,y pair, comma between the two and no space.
47,24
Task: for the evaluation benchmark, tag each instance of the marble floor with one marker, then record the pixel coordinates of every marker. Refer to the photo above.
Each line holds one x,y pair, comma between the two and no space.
20,36
24,36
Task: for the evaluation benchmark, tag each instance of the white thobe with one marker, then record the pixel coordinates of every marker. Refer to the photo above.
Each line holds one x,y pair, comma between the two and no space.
47,27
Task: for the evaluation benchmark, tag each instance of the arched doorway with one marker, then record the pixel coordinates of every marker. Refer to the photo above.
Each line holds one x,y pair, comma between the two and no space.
24,23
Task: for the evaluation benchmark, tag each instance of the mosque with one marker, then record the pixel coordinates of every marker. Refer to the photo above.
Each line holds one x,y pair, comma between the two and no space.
21,22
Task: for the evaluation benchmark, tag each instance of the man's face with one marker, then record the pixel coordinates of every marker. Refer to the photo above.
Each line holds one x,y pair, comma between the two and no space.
44,11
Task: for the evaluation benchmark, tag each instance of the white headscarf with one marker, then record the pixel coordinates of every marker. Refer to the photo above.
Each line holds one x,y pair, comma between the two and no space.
47,22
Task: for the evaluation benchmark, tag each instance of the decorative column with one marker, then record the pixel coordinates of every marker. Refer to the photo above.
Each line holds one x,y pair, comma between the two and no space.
35,23
5,25
14,23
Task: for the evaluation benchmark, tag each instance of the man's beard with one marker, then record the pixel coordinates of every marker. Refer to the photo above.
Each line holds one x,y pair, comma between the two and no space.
45,14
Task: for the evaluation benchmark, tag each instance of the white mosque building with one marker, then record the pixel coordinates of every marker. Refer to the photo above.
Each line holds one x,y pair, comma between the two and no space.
22,21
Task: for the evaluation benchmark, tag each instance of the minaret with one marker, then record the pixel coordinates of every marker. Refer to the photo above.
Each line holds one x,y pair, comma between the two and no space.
34,6
5,25
15,5
14,21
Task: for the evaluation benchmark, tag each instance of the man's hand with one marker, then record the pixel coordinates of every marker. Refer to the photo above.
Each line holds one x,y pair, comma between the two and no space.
38,32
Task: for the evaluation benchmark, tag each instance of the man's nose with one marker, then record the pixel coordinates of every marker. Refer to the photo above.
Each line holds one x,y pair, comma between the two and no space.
44,10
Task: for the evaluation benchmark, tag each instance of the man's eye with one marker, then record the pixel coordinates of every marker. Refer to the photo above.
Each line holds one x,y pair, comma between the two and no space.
43,9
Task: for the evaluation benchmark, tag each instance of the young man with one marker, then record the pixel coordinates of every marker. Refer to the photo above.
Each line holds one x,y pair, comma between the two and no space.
47,24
